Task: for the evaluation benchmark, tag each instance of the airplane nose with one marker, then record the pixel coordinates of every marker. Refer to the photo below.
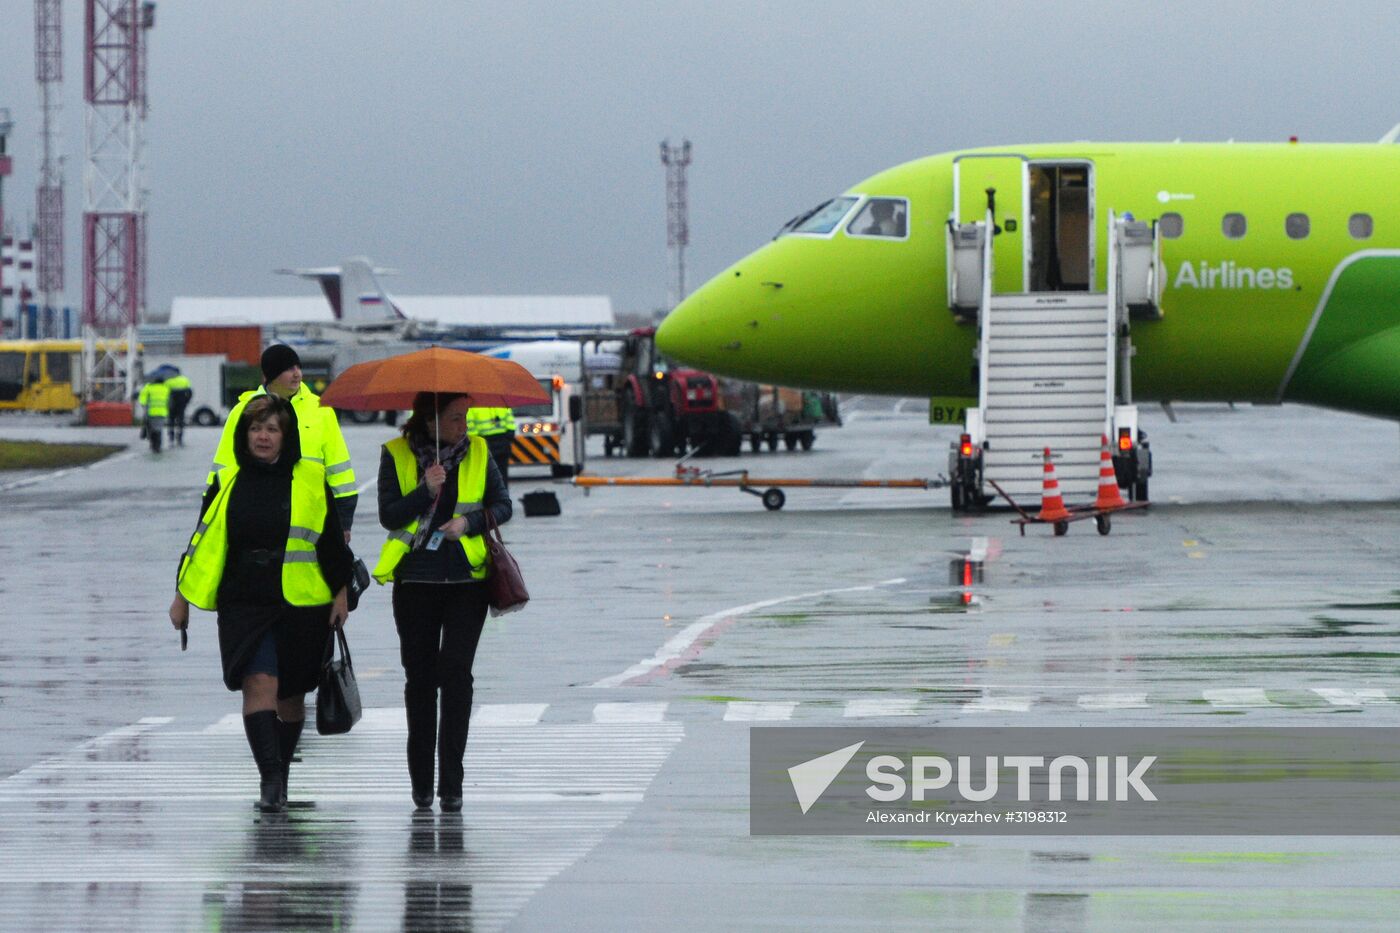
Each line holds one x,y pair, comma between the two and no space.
679,334
735,318
695,332
809,314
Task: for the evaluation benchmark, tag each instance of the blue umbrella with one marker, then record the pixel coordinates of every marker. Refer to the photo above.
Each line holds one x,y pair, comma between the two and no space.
162,372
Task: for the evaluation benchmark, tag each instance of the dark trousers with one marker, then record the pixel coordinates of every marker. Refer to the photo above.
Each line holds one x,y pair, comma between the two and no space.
178,403
499,445
439,628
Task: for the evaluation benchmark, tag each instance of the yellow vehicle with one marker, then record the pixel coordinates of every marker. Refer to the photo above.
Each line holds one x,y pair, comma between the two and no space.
40,375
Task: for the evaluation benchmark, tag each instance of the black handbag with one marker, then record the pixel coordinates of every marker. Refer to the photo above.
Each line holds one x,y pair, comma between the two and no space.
338,699
505,585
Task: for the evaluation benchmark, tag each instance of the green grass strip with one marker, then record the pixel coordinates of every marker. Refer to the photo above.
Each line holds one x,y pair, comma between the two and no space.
37,455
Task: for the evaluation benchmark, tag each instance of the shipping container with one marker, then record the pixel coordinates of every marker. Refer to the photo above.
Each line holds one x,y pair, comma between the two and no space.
240,343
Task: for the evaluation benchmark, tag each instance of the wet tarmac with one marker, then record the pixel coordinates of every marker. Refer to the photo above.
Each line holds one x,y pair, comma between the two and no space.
607,768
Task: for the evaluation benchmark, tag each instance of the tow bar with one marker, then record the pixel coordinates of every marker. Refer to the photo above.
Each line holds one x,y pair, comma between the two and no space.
770,491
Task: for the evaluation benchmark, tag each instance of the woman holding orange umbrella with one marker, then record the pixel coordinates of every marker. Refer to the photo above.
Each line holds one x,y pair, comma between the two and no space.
437,485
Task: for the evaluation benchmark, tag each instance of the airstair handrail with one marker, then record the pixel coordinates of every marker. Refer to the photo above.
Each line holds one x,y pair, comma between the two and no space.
1115,291
1157,277
950,265
984,314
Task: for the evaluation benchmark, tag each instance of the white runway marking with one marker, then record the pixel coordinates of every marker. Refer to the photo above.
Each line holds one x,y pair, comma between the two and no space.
870,709
747,711
1237,697
171,810
1113,701
999,705
390,719
1362,697
382,719
687,645
630,712
509,714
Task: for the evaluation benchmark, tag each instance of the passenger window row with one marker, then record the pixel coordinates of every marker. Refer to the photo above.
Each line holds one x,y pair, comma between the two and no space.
1297,226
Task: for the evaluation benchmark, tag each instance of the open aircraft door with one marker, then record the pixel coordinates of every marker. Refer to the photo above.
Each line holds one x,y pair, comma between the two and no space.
1006,176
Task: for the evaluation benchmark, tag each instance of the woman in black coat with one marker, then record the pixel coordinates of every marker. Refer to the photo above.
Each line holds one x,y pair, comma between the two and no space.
436,558
271,581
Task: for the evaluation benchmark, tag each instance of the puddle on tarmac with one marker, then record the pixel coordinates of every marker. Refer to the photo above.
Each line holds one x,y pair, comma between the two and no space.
1061,857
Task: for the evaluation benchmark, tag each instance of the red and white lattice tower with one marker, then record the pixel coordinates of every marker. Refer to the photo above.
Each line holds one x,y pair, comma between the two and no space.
676,159
114,199
48,198
5,126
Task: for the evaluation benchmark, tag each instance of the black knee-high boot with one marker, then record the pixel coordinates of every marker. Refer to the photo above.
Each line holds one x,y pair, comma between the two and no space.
288,734
261,729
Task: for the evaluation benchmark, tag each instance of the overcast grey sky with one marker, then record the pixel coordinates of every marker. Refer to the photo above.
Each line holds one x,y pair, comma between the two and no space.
512,147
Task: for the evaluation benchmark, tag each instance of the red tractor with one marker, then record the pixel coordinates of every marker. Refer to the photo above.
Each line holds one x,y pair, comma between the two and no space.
663,412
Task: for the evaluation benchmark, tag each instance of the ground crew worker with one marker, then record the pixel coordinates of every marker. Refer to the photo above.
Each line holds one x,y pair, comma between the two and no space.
437,485
180,394
321,440
267,558
155,404
496,426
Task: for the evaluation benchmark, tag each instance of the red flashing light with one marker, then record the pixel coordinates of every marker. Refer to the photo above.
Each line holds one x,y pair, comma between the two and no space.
1125,440
965,445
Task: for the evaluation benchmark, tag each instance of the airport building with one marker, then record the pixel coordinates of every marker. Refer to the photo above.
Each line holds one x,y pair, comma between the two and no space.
536,312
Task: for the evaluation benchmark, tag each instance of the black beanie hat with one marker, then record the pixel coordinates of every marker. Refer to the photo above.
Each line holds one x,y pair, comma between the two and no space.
277,359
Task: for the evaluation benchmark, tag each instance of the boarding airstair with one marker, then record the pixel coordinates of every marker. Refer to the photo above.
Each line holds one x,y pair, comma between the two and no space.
1046,380
1053,371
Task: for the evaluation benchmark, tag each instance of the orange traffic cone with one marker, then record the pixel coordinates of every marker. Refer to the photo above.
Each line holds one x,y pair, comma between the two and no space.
1109,497
1052,504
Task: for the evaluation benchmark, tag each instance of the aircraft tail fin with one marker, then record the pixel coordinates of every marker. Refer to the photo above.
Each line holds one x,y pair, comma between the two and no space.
363,299
353,291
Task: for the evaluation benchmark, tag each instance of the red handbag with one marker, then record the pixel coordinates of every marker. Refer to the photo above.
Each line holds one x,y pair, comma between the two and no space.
505,586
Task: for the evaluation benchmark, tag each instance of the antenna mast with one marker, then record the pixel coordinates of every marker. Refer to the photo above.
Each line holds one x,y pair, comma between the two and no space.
676,159
114,198
5,126
48,200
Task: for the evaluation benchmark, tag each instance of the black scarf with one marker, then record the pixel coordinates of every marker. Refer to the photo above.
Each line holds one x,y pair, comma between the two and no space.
427,452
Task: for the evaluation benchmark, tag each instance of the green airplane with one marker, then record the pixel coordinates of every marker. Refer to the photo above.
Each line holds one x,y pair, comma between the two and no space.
1262,273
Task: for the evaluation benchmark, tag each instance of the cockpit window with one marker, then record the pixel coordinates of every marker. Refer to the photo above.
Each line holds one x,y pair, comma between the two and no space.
884,217
821,219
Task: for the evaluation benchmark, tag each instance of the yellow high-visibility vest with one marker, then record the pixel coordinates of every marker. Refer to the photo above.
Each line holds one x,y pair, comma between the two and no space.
155,398
485,422
321,440
303,584
471,489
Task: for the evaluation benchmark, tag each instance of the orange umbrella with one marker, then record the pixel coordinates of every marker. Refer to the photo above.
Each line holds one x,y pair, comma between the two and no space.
391,384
